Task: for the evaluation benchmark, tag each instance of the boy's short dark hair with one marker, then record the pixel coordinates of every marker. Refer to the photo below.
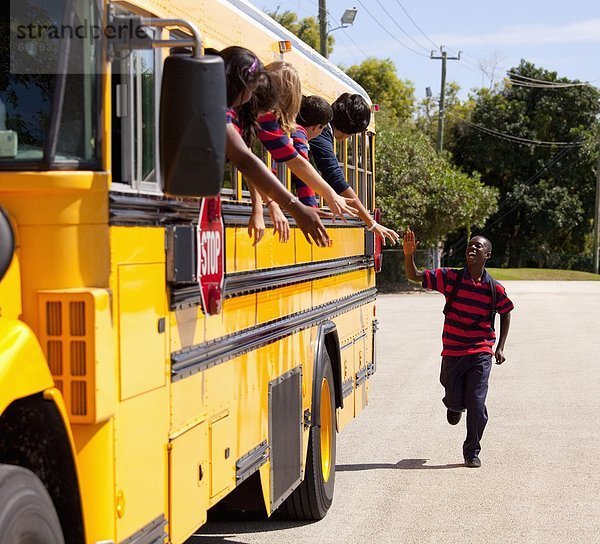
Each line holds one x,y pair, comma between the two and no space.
351,113
314,110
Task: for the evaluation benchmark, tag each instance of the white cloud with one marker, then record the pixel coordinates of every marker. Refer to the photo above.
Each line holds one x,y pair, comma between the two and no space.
582,31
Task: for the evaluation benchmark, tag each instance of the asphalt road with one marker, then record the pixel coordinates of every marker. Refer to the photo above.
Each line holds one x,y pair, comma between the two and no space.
400,477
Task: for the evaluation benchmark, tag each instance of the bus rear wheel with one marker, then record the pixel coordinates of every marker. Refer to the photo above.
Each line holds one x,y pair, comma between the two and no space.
27,515
313,497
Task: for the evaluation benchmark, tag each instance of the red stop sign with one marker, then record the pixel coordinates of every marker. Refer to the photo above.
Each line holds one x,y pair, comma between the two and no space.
211,255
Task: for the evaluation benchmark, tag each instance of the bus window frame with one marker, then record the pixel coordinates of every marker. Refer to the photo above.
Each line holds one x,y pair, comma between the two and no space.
129,182
351,168
369,159
361,170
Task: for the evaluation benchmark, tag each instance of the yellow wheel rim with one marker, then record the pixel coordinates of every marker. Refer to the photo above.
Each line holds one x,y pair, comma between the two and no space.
326,430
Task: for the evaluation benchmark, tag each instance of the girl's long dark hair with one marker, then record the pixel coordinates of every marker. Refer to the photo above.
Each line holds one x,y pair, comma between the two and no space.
242,69
263,100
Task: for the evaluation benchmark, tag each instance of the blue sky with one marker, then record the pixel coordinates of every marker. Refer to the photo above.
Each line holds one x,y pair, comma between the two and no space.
562,36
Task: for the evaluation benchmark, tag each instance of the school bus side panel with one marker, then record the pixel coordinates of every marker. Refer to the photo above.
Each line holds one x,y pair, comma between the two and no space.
142,418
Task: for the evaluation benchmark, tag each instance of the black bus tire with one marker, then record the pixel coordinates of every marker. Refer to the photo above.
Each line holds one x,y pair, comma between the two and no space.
27,515
313,497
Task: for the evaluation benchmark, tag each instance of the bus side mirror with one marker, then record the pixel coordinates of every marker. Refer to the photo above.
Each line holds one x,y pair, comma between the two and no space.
192,125
7,243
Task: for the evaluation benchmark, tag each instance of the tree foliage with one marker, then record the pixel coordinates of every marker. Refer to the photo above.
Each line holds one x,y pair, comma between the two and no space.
417,187
379,78
455,111
307,29
547,192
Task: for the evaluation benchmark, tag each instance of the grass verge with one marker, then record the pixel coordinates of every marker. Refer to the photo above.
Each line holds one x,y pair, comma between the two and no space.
547,274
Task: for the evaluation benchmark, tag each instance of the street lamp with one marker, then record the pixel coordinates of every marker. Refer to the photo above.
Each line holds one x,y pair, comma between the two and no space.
348,17
346,20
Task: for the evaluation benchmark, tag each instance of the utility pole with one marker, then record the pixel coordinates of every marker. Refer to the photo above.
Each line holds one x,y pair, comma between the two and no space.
596,248
440,139
323,27
443,57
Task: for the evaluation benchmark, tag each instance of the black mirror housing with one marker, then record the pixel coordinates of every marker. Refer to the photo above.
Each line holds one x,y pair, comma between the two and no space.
192,125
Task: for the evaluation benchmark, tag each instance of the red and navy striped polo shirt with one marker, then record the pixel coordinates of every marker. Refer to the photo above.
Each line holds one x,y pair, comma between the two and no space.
304,192
275,140
231,117
467,327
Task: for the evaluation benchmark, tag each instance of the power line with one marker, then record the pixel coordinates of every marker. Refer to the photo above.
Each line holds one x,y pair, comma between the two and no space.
416,25
539,86
356,45
529,182
389,33
559,155
348,48
401,29
518,139
550,82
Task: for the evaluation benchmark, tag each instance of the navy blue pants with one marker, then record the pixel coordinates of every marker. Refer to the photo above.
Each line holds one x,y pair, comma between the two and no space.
465,380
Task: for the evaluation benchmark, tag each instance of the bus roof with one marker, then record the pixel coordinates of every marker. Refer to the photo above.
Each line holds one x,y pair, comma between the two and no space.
308,52
239,22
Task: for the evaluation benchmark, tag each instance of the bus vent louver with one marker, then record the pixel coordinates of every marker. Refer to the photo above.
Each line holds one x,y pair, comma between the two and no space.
76,333
67,318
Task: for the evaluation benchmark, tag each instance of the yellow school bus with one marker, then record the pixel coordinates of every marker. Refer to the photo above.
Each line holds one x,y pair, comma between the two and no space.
135,393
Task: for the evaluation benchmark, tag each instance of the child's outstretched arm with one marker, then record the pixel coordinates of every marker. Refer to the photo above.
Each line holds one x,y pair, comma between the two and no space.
306,172
257,172
372,225
324,155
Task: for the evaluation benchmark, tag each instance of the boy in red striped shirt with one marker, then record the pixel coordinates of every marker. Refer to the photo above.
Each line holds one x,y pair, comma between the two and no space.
468,336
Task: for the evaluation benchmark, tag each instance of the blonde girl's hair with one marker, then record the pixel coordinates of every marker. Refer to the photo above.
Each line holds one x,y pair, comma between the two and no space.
286,80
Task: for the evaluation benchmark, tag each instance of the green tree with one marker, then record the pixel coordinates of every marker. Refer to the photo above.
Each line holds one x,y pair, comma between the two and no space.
417,187
456,111
547,192
379,78
307,29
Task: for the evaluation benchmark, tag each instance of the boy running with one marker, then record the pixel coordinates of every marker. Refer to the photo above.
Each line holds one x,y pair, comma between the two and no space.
468,336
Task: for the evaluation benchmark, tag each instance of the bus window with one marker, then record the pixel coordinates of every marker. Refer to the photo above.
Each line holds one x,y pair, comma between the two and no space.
351,160
229,189
282,174
369,156
360,167
135,145
30,86
339,152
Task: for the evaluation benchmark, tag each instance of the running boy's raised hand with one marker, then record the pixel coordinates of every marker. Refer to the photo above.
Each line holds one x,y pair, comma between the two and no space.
409,244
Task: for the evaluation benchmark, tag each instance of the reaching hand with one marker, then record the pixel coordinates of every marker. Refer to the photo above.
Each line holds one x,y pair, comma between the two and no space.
340,205
409,245
256,225
309,223
280,222
384,232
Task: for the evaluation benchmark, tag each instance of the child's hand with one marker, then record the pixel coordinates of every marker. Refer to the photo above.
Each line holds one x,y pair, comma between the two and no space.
385,233
499,355
256,225
280,222
409,244
309,223
340,205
